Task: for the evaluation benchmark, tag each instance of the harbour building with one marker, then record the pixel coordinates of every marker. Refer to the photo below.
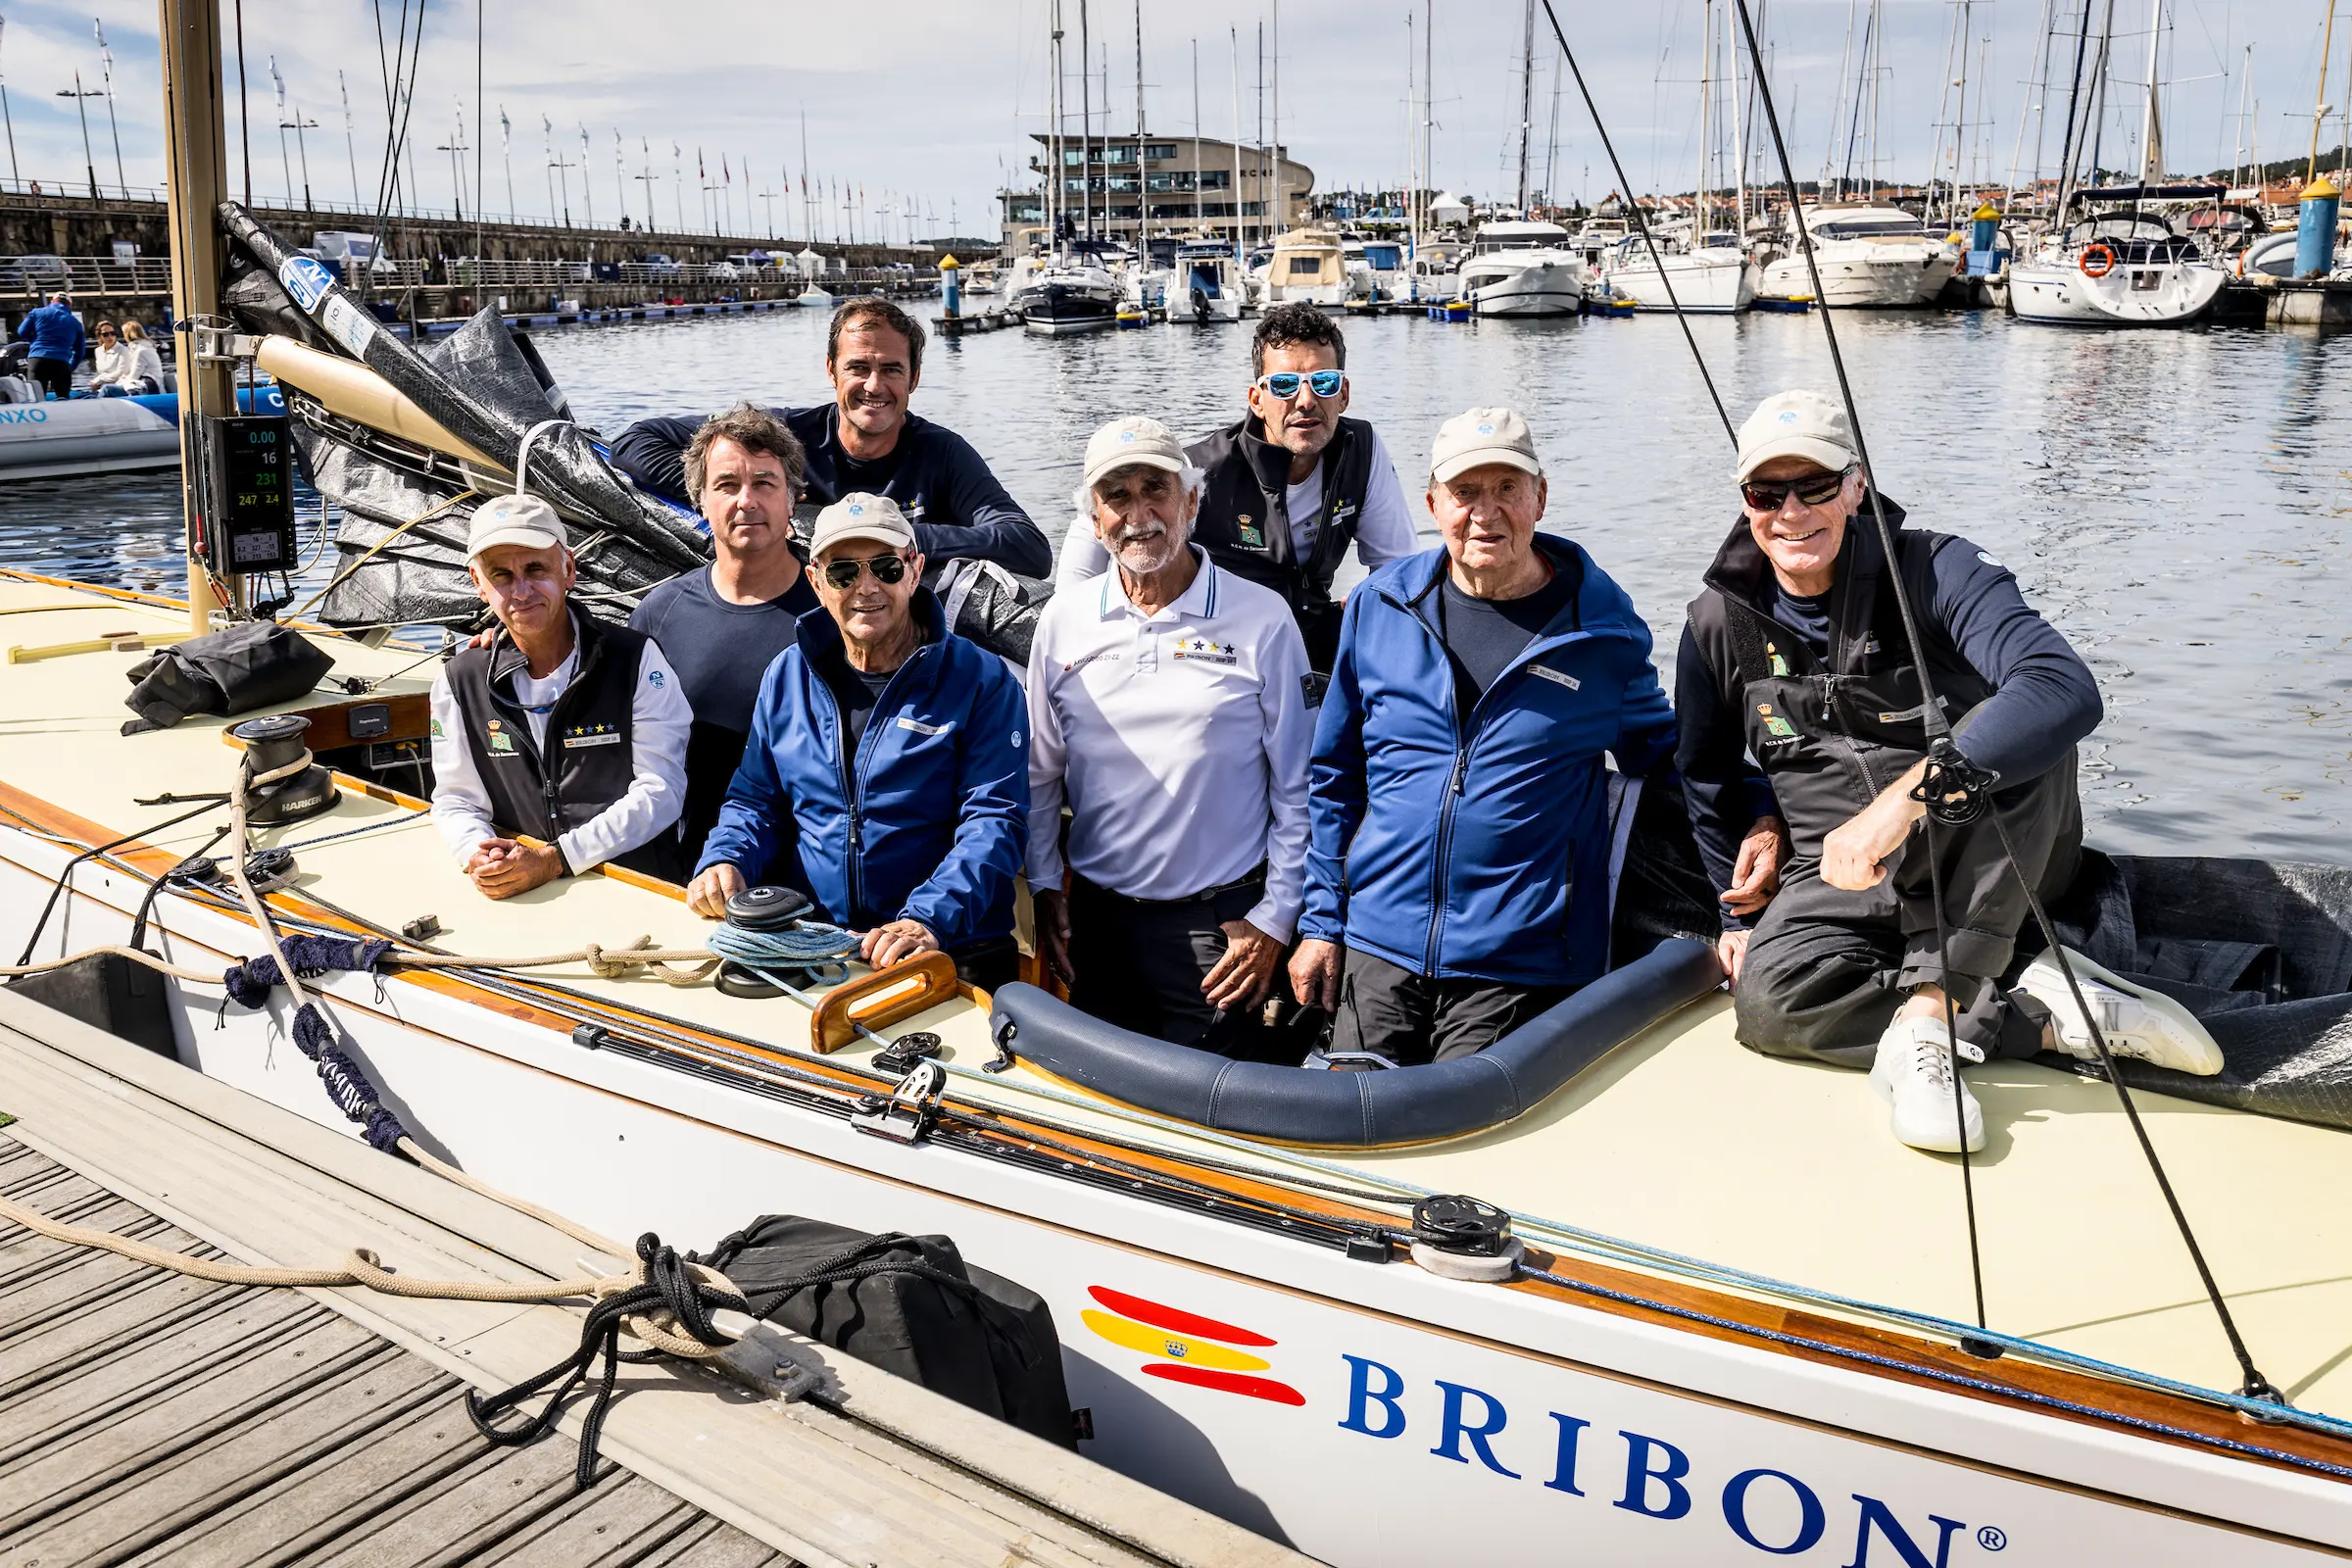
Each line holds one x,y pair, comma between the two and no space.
1160,187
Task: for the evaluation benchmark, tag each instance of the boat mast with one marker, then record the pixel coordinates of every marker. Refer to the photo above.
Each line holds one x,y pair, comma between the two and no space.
1085,127
2318,105
1196,136
1527,92
196,182
2151,123
1740,115
2071,149
1281,208
1846,66
1429,105
1706,120
2036,91
1234,37
1143,195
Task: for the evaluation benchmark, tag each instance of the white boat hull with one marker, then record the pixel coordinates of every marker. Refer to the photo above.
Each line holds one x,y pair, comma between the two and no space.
1709,283
2056,293
1514,1419
101,435
1545,288
1888,277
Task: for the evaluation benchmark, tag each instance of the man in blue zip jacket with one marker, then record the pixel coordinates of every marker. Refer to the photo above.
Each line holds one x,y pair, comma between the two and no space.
1458,849
887,775
56,335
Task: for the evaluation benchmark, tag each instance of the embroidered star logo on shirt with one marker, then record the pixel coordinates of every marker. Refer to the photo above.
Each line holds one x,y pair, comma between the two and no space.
1201,649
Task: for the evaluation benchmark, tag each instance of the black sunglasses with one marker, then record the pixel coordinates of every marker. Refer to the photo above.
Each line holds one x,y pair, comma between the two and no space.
1769,495
888,570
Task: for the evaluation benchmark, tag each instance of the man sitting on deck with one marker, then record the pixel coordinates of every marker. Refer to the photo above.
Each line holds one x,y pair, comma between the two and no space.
722,625
1458,864
886,776
1166,703
1796,654
1290,485
561,726
867,440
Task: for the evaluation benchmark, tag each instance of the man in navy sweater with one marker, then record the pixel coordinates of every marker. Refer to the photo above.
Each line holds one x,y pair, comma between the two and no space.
1796,654
867,440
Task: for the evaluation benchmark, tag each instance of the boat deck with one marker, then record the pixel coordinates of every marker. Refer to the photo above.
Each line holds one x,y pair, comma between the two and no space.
1681,1141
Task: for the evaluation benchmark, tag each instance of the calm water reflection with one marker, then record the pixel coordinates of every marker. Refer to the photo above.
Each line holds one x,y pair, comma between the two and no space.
2172,500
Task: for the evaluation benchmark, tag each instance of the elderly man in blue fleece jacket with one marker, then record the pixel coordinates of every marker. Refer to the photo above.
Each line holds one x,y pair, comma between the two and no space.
887,774
1457,855
1797,655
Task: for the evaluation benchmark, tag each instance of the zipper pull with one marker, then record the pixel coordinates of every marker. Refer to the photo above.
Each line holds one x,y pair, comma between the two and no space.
1461,765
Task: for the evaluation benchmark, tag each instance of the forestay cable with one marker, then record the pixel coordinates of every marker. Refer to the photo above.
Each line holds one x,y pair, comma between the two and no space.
1954,790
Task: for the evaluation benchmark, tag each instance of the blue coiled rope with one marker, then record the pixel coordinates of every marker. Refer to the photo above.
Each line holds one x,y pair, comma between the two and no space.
816,950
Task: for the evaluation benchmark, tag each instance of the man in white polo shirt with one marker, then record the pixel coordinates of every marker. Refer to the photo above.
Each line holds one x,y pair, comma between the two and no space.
1168,709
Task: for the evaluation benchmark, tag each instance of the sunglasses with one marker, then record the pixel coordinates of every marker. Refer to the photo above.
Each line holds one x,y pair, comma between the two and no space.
1769,495
888,570
1283,385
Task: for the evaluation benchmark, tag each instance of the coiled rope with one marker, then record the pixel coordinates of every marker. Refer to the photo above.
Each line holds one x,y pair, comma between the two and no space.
815,949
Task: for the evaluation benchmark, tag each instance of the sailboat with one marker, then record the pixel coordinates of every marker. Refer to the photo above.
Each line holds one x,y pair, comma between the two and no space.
1518,267
2117,262
1705,271
1615,1281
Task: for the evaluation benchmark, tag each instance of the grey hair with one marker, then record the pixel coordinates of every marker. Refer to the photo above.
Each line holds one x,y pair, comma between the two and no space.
1083,498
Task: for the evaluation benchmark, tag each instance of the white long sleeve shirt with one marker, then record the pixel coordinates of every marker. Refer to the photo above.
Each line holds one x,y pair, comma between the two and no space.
1383,533
125,363
659,722
1179,739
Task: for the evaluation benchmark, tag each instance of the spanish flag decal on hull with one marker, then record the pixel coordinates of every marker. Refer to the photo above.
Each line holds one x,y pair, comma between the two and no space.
1201,1350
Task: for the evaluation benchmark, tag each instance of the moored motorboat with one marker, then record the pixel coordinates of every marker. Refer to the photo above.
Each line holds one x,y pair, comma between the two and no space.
1067,295
1869,255
1523,269
1714,278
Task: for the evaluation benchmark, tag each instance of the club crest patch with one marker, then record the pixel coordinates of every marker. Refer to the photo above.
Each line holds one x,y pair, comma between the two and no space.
1206,649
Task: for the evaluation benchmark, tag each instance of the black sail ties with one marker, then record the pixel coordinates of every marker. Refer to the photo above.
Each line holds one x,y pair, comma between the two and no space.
1948,773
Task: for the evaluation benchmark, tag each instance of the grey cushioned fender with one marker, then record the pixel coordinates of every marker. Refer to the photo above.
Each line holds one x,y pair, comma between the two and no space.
1356,1109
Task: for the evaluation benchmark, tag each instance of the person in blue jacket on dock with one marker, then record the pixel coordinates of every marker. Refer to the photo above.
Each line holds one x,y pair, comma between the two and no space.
1457,807
887,775
58,344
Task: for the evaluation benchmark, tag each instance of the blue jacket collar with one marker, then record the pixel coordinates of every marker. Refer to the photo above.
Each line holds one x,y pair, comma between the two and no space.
1412,585
819,634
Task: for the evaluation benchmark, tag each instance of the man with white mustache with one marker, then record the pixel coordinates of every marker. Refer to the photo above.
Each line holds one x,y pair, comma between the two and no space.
1167,708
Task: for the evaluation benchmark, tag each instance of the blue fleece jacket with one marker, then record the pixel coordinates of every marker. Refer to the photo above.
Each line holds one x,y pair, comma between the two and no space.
55,333
1477,848
931,822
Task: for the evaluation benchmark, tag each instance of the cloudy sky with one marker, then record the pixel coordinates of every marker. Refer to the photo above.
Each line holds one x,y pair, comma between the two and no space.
927,105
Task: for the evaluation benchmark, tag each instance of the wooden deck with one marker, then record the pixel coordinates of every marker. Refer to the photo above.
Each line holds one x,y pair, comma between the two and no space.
147,1417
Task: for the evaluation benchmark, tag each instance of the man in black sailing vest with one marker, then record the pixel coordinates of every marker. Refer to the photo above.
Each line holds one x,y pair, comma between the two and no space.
1290,485
1796,654
563,728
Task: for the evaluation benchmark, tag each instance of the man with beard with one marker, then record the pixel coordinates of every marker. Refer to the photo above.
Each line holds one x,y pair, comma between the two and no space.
1288,488
1167,706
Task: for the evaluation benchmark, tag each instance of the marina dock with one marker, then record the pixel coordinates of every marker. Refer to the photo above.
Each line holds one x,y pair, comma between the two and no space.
146,1416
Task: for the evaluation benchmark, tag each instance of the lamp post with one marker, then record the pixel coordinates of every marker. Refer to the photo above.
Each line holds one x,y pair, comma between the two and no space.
301,147
106,65
285,159
350,142
506,150
78,94
456,147
587,196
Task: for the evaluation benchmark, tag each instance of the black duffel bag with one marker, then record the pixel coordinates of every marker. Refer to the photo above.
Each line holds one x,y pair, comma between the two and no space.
909,1304
233,671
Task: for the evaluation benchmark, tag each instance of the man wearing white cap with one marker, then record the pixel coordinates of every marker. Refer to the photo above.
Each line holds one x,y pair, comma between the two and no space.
561,727
1168,708
886,776
1458,862
1796,654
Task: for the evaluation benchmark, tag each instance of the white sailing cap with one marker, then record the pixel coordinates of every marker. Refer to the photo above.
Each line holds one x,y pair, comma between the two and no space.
1126,443
525,521
1800,423
861,515
1480,436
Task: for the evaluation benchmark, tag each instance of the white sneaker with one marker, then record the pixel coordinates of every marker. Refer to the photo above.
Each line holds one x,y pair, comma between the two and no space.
1914,1075
2136,1021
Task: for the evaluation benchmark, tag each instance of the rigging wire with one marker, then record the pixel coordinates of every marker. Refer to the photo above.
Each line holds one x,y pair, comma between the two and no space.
1944,762
1625,189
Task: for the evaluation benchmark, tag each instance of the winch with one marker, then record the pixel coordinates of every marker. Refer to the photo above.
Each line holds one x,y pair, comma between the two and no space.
274,745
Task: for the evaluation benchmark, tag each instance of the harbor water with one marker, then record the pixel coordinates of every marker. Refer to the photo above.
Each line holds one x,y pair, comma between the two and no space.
2178,503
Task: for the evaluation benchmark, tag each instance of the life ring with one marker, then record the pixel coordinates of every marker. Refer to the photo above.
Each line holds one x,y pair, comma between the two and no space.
2105,255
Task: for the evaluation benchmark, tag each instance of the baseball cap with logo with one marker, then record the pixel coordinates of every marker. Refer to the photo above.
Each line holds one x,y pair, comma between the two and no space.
1801,423
1123,443
861,515
1481,436
525,521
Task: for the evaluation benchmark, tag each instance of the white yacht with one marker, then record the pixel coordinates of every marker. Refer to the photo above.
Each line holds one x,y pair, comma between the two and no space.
1309,266
1207,285
1069,293
1713,278
2121,268
1869,255
1523,269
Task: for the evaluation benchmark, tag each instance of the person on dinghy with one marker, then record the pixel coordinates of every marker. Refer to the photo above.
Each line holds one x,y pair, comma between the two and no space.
564,727
57,341
1796,656
124,367
722,625
1290,485
886,777
867,439
1458,865
1167,707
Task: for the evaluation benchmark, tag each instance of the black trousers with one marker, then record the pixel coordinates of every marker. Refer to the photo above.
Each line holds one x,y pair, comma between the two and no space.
52,375
1411,1021
1827,969
1140,964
